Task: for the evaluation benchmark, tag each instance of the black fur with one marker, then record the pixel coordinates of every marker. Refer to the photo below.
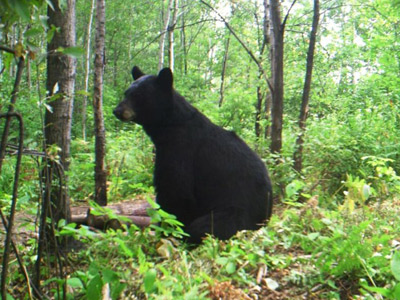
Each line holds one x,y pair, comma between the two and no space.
205,175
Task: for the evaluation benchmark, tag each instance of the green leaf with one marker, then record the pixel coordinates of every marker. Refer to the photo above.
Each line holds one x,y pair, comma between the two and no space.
230,267
94,269
379,290
395,265
32,32
72,51
75,282
21,7
94,287
110,276
43,21
9,297
149,280
313,235
396,291
49,3
222,261
128,252
117,289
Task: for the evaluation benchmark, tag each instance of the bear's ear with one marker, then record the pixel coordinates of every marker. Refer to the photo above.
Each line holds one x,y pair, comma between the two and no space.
136,73
165,78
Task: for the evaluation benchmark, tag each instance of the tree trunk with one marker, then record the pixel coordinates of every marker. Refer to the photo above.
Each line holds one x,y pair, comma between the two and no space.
60,85
224,63
277,31
171,29
164,30
267,111
298,157
260,94
183,39
258,108
87,70
28,73
268,93
100,140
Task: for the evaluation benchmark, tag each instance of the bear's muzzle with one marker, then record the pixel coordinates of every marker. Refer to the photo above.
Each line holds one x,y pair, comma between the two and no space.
123,113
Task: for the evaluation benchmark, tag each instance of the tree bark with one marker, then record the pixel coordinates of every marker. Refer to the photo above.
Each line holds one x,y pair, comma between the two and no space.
258,109
268,93
87,70
277,32
60,85
183,39
100,140
260,94
164,30
224,63
171,29
298,154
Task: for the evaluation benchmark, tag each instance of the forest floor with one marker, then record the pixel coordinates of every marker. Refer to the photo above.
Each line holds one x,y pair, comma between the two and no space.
288,269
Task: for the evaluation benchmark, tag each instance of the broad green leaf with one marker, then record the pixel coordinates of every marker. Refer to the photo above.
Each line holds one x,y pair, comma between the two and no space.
230,267
395,265
396,291
116,290
94,287
72,51
222,261
21,7
110,276
149,280
379,290
74,282
32,32
313,235
94,269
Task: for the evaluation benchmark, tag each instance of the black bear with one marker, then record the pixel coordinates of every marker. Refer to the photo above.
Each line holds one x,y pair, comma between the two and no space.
205,175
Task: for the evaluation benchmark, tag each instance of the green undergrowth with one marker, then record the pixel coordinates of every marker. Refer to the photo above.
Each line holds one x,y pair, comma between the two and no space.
303,252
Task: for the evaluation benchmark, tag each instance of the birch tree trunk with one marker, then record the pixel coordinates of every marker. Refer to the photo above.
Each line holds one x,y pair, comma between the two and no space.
183,38
298,154
164,30
100,140
87,70
171,29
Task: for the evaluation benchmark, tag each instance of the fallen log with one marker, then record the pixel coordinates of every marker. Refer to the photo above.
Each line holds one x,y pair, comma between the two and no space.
135,212
79,214
104,222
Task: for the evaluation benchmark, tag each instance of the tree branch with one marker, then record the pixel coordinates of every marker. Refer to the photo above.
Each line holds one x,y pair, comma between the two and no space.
253,57
5,48
287,14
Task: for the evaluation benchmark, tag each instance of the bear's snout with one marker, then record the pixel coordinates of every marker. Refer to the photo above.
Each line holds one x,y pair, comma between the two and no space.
123,113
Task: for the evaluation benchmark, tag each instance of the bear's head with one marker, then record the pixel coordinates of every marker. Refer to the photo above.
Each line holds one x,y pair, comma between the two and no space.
148,101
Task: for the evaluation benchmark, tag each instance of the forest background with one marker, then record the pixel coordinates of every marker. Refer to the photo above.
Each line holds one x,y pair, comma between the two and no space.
334,233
